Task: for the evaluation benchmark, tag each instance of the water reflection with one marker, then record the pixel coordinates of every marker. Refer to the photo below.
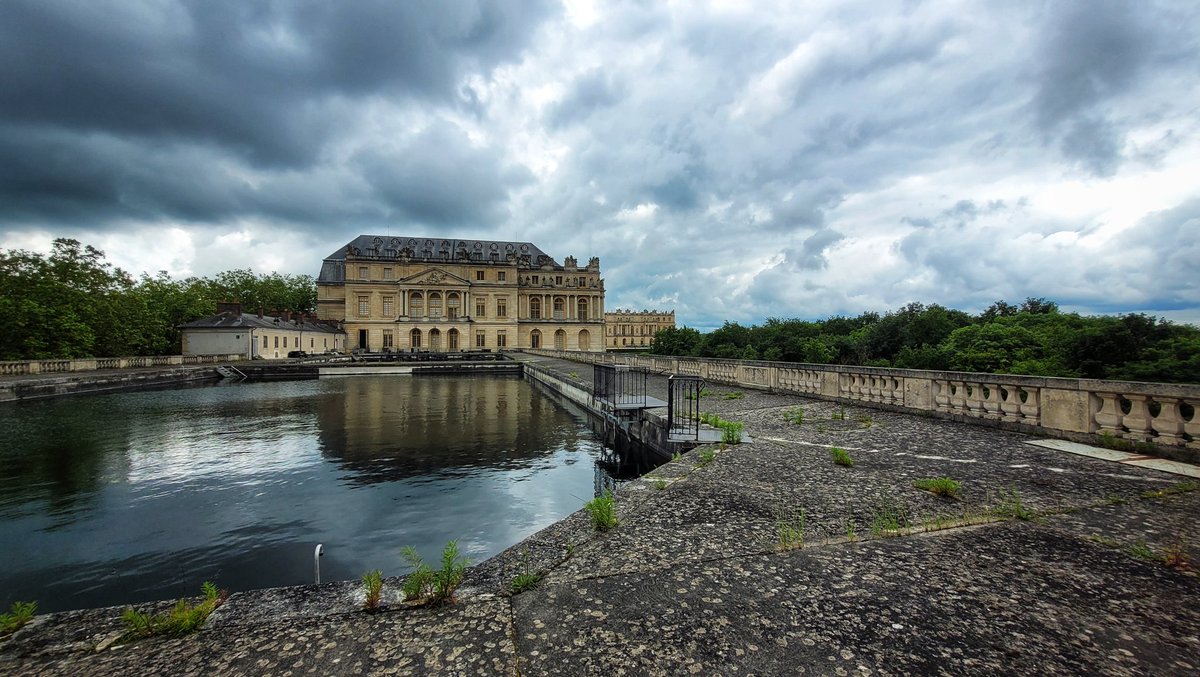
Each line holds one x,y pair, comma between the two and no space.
134,496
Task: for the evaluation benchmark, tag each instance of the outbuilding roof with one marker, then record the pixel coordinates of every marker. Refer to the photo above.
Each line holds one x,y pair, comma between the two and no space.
229,320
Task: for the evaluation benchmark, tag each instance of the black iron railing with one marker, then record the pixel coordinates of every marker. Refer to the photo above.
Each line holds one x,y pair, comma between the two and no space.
618,387
683,407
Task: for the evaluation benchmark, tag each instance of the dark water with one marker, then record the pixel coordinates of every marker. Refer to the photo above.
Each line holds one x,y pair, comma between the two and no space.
136,496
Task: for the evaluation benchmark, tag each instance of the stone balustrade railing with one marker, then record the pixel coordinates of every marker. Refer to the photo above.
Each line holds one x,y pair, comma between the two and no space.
33,367
1159,413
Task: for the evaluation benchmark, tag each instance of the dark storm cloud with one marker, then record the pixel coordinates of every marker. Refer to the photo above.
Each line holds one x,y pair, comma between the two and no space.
438,177
810,255
267,85
591,91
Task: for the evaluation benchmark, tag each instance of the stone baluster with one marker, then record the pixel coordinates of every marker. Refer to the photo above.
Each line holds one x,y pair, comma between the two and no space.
1137,421
1031,410
958,397
991,403
875,389
974,399
1010,403
1192,426
1108,417
1168,425
941,395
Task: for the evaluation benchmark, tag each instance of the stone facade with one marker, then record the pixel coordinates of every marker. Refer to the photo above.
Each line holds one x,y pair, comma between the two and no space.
631,329
440,295
252,336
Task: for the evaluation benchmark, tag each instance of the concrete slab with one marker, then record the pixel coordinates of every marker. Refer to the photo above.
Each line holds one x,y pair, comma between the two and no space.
1140,460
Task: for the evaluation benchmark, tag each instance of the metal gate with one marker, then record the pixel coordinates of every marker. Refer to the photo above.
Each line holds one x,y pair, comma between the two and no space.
683,407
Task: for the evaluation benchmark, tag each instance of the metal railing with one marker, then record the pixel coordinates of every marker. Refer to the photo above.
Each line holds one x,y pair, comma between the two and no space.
619,387
683,407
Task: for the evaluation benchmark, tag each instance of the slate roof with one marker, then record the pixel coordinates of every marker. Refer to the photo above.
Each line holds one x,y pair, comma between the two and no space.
253,321
433,249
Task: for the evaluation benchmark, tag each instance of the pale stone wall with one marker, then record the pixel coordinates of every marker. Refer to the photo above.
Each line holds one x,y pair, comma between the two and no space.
420,304
630,329
1159,413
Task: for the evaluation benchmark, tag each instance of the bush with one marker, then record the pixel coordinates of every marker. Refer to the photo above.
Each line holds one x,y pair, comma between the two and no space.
841,457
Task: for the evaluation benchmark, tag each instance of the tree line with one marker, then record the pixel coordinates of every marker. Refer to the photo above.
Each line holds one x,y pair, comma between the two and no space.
72,303
1033,338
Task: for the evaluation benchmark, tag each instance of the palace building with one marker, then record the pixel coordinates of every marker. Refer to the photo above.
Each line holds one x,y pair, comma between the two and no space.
442,295
630,329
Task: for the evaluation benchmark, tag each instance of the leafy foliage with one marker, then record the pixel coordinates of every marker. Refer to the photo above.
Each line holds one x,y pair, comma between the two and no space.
20,614
1033,338
182,619
72,303
433,587
603,511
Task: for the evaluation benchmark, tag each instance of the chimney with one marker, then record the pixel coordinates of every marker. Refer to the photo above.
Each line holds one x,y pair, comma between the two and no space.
229,308
260,312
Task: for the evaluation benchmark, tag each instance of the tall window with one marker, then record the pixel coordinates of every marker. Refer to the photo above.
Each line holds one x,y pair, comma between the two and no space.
452,303
479,275
500,275
364,306
582,308
501,308
435,304
276,341
480,307
559,304
414,338
416,304
364,273
501,339
388,341
535,308
388,302
387,273
284,341
265,342
480,339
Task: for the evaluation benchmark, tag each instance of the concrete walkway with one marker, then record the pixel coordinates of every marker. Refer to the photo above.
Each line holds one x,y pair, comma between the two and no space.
888,579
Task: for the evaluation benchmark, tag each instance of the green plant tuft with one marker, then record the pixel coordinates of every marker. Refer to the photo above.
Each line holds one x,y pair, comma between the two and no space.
737,395
1009,505
373,588
524,581
602,510
888,517
794,415
660,483
789,528
839,415
182,619
866,420
940,486
19,614
1142,551
427,586
841,457
706,456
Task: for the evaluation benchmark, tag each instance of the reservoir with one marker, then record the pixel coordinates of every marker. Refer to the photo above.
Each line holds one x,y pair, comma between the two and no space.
137,496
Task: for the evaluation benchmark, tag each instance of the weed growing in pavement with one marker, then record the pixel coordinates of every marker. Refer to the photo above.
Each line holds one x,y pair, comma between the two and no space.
603,511
851,530
433,587
1104,540
794,415
1176,556
789,528
1009,505
19,614
737,395
660,483
841,457
1181,488
372,582
1114,499
940,486
706,456
182,619
1142,551
889,517
839,415
866,420
1111,441
731,432
524,581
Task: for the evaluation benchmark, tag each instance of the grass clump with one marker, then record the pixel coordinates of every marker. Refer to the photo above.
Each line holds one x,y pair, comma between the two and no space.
603,511
526,580
1010,505
182,619
789,529
1142,551
704,392
866,420
706,456
736,395
841,457
1181,488
372,582
660,483
794,415
731,432
839,415
939,486
427,586
888,518
19,614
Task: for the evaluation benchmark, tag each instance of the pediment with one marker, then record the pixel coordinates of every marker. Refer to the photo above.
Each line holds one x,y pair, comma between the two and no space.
436,276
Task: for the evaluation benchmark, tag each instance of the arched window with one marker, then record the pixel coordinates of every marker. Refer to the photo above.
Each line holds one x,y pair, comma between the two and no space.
581,309
435,304
585,340
416,304
452,305
535,339
560,340
453,337
559,304
414,338
435,339
535,308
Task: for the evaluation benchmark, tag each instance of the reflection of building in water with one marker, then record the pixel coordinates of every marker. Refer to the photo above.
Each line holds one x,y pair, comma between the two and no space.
602,481
630,329
403,426
416,293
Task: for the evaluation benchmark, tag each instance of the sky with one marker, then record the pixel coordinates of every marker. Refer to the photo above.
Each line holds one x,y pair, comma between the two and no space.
731,161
